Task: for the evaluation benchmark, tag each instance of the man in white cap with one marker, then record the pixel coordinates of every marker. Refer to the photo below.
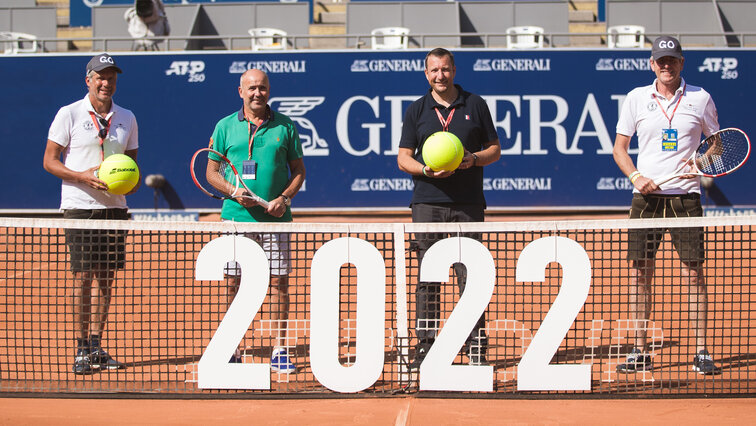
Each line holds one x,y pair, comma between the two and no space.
80,137
668,116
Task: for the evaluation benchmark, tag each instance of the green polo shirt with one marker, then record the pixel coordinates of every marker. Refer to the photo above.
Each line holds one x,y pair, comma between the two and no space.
275,144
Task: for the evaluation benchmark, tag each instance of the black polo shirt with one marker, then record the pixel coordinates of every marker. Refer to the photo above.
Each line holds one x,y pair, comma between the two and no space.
471,123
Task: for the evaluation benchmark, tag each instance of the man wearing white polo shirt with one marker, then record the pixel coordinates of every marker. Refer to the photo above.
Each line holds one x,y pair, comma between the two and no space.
80,137
669,116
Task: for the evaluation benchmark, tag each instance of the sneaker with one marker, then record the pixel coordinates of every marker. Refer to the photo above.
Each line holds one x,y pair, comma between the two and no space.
103,360
420,352
280,362
82,364
703,363
636,361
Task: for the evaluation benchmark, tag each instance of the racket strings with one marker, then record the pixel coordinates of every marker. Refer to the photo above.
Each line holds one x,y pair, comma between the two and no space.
220,182
723,153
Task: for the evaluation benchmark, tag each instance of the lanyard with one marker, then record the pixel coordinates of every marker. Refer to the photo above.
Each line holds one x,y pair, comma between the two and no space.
251,136
100,134
669,118
445,123
253,133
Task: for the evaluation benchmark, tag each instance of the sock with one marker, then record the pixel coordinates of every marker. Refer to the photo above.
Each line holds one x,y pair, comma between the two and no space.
94,342
82,346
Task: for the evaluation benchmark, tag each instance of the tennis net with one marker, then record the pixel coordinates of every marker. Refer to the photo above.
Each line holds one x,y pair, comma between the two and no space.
555,300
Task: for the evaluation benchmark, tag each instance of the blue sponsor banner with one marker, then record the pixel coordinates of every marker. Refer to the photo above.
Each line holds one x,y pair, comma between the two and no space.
555,111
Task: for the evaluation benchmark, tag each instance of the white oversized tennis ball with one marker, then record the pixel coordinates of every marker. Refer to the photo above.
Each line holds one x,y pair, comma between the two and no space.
120,172
443,151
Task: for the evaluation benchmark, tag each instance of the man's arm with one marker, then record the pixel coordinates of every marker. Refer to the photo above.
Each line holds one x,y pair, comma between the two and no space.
406,161
51,162
297,169
490,154
625,164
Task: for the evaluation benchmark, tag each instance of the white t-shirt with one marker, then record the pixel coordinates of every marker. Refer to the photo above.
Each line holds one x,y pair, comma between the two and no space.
641,115
74,129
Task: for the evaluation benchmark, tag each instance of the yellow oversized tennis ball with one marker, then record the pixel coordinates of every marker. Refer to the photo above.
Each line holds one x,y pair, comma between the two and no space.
443,151
120,172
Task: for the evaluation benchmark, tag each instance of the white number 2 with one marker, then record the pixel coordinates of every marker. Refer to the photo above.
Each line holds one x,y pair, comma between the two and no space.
437,371
213,370
534,370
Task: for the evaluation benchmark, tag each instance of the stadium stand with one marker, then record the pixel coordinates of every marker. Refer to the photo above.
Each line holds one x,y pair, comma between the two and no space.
696,22
37,21
225,25
454,18
337,24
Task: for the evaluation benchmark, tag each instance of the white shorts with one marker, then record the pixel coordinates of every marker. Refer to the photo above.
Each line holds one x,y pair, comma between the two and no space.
276,248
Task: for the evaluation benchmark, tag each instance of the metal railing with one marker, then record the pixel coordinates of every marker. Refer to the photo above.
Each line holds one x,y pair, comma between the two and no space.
363,41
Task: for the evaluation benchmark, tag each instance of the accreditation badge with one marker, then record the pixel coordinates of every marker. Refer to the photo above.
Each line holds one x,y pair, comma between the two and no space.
669,140
249,170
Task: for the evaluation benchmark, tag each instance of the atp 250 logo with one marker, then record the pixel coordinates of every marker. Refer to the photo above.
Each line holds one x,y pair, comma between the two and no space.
727,66
195,70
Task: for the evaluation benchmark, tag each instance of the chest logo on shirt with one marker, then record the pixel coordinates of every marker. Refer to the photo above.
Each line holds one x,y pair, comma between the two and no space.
652,106
88,125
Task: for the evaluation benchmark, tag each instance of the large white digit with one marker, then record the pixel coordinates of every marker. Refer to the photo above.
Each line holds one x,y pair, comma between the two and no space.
534,371
213,370
437,371
324,314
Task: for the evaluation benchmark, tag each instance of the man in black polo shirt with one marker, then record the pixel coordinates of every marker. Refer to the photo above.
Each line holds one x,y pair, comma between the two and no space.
446,196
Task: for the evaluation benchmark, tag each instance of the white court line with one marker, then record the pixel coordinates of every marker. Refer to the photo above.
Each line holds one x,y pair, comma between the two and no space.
16,275
401,418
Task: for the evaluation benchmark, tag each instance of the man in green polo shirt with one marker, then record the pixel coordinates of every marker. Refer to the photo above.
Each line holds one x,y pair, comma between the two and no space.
264,146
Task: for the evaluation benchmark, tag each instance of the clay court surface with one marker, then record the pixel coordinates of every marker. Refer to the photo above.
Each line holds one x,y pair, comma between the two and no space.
417,409
375,411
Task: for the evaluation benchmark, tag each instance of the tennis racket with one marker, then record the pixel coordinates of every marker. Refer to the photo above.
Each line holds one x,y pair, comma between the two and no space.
223,182
720,154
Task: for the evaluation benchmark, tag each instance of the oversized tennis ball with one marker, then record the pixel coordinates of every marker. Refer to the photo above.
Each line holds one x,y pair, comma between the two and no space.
120,172
443,151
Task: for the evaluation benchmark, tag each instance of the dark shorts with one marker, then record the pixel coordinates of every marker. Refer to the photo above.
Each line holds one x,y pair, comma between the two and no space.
96,249
689,242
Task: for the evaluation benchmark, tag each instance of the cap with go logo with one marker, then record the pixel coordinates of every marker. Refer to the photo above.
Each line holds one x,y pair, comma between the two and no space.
102,61
666,46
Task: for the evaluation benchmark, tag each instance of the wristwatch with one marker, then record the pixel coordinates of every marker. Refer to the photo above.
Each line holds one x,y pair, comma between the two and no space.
287,200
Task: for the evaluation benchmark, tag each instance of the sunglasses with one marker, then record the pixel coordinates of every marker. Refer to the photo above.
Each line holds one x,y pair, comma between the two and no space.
103,128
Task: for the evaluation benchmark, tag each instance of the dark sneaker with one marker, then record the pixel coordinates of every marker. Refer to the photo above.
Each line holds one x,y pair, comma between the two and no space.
102,360
420,353
703,363
636,361
280,362
82,364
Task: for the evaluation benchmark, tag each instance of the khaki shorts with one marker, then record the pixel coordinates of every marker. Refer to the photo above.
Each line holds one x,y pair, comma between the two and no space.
689,242
276,248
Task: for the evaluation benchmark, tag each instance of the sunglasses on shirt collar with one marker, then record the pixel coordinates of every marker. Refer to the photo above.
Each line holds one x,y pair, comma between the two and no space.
103,128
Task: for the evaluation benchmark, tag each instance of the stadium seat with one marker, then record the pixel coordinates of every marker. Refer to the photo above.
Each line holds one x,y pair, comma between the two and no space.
525,37
389,38
268,39
14,43
626,36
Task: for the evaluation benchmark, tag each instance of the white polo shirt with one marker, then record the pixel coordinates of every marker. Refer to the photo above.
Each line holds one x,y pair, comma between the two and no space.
641,115
74,129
